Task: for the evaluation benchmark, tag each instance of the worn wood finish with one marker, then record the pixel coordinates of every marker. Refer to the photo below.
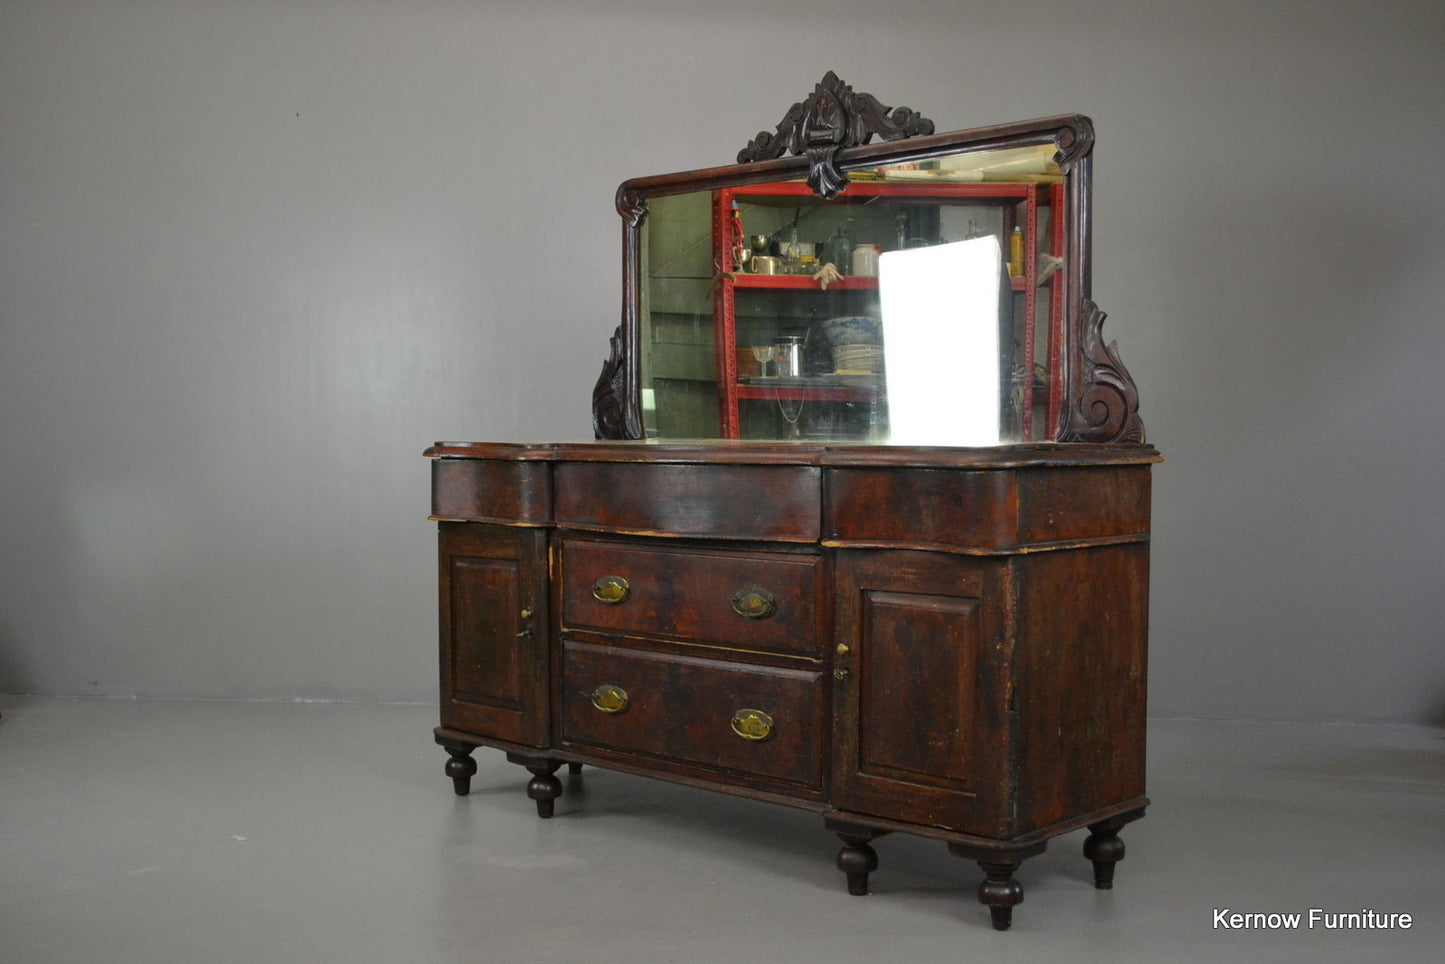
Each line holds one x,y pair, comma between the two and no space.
986,511
682,708
951,679
1049,511
489,490
493,630
919,700
946,642
743,502
696,594
1079,681
922,507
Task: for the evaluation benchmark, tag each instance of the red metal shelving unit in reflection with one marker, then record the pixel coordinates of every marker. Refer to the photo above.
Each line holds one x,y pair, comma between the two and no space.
1020,205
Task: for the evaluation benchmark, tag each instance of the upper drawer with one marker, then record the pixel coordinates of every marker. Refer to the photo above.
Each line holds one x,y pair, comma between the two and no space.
491,490
762,502
766,601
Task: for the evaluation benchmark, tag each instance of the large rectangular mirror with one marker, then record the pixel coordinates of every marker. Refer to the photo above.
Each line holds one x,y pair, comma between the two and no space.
920,303
931,289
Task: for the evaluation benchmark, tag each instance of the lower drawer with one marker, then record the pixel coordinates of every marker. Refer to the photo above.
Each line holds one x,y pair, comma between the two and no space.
758,720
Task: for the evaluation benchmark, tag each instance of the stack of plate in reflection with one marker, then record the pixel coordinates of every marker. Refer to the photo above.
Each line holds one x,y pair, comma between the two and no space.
858,358
855,341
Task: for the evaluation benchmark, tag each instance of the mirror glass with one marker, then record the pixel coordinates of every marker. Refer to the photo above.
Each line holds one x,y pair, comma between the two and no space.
924,305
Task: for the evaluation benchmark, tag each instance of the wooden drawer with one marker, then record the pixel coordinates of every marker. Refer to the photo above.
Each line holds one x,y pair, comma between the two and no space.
763,721
491,490
763,601
763,502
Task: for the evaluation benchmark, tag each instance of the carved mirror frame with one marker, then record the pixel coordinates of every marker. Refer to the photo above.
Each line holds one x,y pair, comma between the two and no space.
821,139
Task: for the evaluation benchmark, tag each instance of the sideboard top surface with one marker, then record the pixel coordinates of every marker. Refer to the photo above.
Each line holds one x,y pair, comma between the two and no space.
775,453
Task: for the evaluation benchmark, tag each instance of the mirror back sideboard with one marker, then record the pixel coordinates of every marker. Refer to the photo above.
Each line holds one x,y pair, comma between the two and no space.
935,639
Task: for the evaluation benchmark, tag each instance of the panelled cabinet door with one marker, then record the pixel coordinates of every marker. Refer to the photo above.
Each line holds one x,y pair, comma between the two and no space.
494,631
920,689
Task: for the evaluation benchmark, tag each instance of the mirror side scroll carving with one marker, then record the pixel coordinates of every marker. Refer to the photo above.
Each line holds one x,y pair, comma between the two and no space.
1106,406
612,417
615,409
1103,402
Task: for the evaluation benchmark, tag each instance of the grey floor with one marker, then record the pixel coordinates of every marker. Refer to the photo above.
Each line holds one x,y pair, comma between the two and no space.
224,831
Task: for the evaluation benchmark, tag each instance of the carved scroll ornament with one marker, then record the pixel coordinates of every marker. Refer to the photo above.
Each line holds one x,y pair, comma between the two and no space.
833,117
611,418
1074,140
1106,406
631,205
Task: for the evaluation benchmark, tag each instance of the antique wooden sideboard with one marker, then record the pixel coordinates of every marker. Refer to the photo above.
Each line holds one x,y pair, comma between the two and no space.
945,640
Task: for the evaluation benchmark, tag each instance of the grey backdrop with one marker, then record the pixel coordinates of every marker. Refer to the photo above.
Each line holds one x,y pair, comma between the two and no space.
255,256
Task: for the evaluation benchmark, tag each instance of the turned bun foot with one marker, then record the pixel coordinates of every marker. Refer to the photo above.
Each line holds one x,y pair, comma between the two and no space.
1104,852
460,768
1000,892
857,860
544,787
1104,848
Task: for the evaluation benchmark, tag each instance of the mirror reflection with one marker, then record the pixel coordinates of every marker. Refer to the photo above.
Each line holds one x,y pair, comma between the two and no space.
924,305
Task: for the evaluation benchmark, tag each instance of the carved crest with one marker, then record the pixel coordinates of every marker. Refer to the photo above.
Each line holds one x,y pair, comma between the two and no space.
833,117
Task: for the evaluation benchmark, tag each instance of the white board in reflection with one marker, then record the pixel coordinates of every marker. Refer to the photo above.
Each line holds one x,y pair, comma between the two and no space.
940,338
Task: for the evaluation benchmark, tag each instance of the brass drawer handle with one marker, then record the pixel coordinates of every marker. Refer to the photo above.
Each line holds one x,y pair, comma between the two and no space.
611,590
752,724
754,603
610,699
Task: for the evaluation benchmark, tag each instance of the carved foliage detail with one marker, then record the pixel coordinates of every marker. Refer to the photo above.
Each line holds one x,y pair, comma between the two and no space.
610,417
833,117
1107,406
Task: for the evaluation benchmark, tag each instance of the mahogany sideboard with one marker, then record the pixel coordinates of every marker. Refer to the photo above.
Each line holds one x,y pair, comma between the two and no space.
948,642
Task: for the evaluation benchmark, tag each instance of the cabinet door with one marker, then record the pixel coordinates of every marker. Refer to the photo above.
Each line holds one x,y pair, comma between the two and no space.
494,631
920,702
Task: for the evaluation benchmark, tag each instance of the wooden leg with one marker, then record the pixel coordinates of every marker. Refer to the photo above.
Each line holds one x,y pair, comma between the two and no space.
1104,848
460,767
544,786
999,892
574,768
857,859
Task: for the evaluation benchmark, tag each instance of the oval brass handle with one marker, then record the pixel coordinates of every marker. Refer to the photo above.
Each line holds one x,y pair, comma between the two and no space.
610,699
754,603
752,724
611,590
